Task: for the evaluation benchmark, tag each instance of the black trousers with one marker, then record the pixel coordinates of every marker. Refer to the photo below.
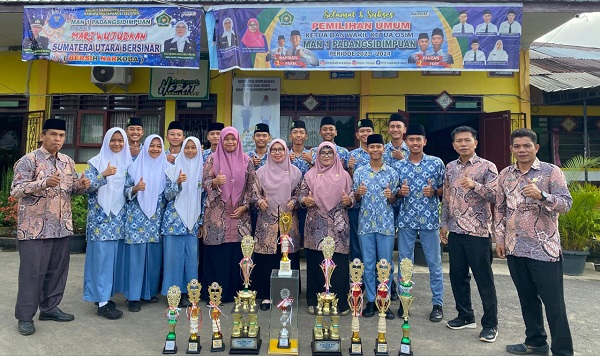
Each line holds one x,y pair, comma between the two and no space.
43,270
354,240
474,252
221,265
315,280
537,282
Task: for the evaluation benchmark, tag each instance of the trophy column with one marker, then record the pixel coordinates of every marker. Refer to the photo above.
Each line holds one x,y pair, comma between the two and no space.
382,300
285,225
214,292
406,298
172,314
355,300
283,334
193,313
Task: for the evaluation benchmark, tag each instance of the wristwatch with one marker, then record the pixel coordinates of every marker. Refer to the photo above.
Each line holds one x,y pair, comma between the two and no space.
544,196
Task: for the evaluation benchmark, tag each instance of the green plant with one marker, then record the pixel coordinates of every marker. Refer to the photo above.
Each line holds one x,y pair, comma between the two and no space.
575,167
79,208
580,227
8,204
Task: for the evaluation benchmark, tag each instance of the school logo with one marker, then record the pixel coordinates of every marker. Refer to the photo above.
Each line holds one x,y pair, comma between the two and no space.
286,19
163,20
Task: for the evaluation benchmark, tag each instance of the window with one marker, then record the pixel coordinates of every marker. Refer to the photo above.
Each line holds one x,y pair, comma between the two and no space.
88,117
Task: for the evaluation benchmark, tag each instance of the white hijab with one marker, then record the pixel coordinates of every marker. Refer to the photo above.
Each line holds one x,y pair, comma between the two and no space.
151,169
110,196
183,39
188,202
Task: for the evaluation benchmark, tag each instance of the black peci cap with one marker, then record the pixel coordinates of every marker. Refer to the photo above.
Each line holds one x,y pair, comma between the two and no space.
134,121
55,124
261,128
415,129
375,138
175,125
215,126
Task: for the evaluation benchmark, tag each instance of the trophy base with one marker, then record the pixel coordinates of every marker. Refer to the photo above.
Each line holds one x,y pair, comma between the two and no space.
245,345
217,345
285,269
326,347
283,343
356,349
405,350
274,350
193,347
170,347
381,348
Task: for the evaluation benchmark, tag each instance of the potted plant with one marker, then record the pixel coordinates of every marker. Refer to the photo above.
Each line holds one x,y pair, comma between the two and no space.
580,227
8,210
79,209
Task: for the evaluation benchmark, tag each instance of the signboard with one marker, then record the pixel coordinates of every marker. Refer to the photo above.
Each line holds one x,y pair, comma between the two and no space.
369,36
179,84
119,36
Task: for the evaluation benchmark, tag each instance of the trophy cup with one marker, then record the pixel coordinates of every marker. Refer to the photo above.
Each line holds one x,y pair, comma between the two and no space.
285,305
214,294
245,337
193,312
382,300
406,298
285,225
326,337
172,313
355,300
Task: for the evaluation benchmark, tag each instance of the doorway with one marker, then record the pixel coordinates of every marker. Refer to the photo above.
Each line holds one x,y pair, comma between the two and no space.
12,139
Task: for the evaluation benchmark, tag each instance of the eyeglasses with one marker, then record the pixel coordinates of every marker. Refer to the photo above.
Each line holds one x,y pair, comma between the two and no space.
252,24
277,150
326,153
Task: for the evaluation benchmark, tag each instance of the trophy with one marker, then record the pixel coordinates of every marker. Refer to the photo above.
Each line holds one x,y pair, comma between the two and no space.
172,313
382,300
406,298
355,300
285,225
285,305
214,294
326,337
193,312
245,337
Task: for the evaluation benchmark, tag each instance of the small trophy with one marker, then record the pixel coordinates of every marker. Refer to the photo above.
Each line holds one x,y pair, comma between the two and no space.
172,313
326,337
285,305
406,298
214,294
193,312
285,225
355,300
382,300
245,337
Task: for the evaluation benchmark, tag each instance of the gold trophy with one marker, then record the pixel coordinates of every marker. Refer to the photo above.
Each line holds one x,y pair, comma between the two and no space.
285,225
214,294
355,300
245,336
193,312
406,298
382,300
172,314
326,337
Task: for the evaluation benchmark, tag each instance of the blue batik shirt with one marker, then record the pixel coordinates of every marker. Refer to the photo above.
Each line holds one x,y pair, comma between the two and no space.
205,154
300,163
263,160
389,148
361,156
376,214
139,228
417,211
172,223
343,155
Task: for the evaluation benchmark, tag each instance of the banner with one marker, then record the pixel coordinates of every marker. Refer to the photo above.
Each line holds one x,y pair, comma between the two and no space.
117,36
180,84
475,37
255,100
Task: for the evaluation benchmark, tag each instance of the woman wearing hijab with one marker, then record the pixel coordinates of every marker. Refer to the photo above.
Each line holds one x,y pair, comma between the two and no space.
230,184
279,181
228,38
105,221
180,43
253,39
327,193
498,54
144,188
182,218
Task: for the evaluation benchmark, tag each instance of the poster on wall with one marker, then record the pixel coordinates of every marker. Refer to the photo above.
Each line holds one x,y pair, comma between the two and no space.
255,100
120,36
369,36
179,84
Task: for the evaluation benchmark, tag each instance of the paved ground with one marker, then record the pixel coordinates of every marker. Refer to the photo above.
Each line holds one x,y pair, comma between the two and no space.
143,333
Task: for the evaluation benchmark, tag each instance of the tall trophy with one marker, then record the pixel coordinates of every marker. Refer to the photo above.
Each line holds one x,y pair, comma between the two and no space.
172,314
406,298
285,225
245,336
283,331
214,294
382,300
193,314
326,336
285,305
355,300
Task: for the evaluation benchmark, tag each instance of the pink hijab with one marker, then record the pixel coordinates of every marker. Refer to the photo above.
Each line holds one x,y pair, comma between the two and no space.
253,39
233,165
328,183
278,180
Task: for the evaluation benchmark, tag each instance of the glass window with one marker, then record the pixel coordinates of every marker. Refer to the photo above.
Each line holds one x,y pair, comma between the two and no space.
92,128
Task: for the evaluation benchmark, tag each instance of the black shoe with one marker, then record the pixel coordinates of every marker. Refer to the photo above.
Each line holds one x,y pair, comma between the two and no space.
183,300
488,334
369,310
401,312
389,315
458,323
26,327
522,349
153,299
109,311
437,314
134,306
394,296
56,315
265,306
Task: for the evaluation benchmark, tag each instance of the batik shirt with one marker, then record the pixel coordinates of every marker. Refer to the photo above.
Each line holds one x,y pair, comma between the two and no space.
101,226
361,157
267,228
343,154
529,227
253,154
44,212
299,162
376,213
138,228
417,211
389,148
172,223
207,152
468,211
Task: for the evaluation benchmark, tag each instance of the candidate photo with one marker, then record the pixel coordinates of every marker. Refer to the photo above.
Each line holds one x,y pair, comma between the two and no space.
180,43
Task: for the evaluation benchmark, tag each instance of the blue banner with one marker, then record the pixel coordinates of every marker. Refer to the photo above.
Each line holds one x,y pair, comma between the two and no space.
117,36
474,37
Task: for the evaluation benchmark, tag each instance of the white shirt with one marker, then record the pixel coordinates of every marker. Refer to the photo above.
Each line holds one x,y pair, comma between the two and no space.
457,29
475,57
515,27
491,29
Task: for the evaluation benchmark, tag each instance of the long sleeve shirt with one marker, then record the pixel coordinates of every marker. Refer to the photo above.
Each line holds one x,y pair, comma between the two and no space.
101,226
172,224
139,228
44,212
529,227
